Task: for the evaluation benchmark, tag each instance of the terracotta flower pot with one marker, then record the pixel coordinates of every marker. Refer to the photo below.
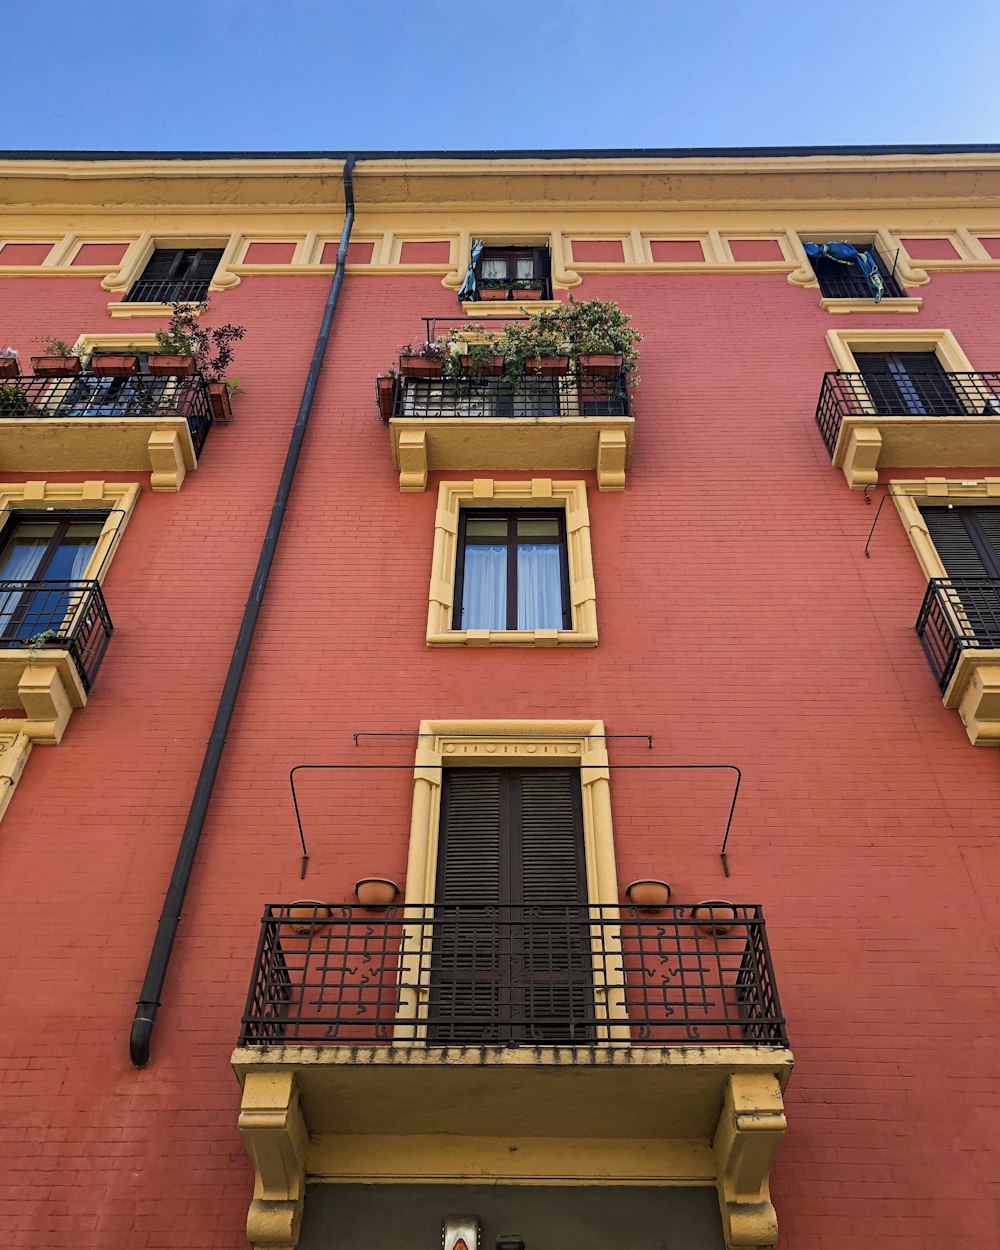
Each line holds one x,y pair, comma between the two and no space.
493,292
492,368
376,892
601,366
306,915
218,397
648,894
163,366
714,916
8,367
56,366
114,366
386,389
547,366
531,292
420,367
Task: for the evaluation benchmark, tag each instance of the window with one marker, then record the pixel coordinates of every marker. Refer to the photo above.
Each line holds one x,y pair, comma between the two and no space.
511,839
966,539
544,573
176,274
908,384
90,395
497,397
844,280
514,273
512,571
43,559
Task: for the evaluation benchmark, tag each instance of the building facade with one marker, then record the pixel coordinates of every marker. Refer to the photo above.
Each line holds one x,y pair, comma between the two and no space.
544,630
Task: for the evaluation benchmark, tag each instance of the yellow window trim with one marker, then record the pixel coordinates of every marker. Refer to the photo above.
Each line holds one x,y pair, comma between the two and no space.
487,493
975,686
47,686
942,342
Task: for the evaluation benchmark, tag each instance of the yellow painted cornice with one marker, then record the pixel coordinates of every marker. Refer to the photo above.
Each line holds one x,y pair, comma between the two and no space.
960,178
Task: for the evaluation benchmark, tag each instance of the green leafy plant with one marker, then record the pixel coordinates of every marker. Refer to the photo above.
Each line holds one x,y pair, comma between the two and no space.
13,401
599,328
37,641
211,346
56,347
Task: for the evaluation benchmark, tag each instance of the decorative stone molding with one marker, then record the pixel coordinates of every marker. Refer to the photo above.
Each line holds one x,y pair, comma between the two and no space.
277,1140
750,1130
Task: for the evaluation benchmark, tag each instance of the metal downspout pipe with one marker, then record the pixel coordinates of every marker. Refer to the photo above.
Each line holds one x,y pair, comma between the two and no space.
166,931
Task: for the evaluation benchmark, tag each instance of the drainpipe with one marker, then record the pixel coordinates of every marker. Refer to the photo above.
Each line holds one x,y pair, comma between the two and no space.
166,931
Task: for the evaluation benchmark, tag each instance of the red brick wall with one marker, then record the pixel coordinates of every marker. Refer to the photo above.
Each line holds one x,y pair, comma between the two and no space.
740,622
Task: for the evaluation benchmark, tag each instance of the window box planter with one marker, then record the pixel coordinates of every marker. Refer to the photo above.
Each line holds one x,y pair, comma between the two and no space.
531,292
547,366
494,292
420,367
56,366
491,368
114,366
8,367
386,390
601,366
218,397
163,366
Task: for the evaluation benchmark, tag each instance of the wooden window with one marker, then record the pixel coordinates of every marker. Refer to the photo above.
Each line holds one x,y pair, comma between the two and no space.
512,570
39,554
515,272
511,949
176,274
908,384
967,539
838,280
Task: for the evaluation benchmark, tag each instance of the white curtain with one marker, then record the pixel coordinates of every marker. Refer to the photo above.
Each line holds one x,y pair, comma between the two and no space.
484,587
20,565
539,587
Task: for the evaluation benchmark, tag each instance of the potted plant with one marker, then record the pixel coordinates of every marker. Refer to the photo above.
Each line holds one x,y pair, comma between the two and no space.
537,346
13,401
211,349
58,360
170,364
108,366
528,288
481,359
423,360
8,363
648,894
374,893
602,340
306,915
493,288
715,916
385,389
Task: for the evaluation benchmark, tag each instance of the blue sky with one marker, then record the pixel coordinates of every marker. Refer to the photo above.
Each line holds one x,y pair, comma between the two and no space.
303,74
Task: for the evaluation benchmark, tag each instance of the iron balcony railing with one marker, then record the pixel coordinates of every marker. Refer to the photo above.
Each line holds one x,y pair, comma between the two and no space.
473,975
958,613
69,615
168,291
87,395
935,393
567,395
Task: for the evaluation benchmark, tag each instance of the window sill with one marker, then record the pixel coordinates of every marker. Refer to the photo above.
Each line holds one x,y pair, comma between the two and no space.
121,309
481,308
512,638
907,305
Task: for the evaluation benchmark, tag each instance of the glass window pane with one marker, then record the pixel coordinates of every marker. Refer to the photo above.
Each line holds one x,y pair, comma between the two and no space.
539,527
494,267
480,529
539,587
484,587
525,267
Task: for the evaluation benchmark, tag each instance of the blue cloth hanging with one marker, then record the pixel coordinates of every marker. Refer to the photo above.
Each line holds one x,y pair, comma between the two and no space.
468,288
848,254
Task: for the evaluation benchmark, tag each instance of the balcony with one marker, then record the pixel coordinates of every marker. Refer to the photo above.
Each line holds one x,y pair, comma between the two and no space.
959,630
935,419
86,422
447,1030
53,636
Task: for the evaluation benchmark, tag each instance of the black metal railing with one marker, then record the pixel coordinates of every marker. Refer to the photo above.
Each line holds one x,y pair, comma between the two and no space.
69,615
565,395
846,281
957,614
934,393
456,975
87,395
168,291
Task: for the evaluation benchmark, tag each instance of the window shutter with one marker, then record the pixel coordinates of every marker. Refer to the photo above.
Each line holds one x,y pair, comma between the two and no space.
159,264
553,871
469,852
989,524
953,542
